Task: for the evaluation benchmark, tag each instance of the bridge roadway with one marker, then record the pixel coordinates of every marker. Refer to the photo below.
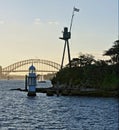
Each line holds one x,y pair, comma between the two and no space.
27,71
16,67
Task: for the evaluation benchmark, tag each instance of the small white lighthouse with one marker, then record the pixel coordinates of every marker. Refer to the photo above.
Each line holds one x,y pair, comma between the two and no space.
32,81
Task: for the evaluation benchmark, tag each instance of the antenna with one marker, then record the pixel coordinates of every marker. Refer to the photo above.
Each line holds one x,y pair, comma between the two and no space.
66,37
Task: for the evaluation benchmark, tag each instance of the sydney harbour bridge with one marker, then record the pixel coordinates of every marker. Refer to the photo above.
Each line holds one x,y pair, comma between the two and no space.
42,66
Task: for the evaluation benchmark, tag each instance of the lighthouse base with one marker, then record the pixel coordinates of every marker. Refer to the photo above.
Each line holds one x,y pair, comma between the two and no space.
32,94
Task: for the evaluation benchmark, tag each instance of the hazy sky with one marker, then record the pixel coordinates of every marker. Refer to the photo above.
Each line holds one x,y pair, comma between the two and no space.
31,28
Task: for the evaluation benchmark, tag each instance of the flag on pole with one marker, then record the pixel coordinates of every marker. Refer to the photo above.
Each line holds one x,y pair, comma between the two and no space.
75,9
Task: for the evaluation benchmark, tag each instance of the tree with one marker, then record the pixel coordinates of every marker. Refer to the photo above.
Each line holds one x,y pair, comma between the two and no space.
101,63
75,62
82,60
86,59
113,52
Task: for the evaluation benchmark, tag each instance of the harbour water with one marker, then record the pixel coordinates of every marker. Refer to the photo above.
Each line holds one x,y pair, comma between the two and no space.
19,112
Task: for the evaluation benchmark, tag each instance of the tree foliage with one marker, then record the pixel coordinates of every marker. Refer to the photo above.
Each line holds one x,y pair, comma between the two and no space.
89,73
82,60
113,52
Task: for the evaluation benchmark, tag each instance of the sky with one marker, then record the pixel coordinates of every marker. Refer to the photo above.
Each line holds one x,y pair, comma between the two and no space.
30,29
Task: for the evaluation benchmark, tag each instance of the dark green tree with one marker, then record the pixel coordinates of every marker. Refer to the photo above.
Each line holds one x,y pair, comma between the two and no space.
86,59
75,62
101,63
113,52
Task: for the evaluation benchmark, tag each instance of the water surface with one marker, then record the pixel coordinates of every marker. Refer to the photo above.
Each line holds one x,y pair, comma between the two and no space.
17,111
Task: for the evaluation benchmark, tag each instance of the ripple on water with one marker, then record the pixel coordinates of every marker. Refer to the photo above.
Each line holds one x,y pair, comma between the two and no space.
17,111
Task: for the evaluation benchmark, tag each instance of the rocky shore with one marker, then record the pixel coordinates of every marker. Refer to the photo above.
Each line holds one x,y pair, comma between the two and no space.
74,92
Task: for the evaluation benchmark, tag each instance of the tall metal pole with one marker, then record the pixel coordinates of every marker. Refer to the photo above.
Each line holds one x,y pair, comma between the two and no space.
63,55
74,9
71,20
69,57
26,77
66,37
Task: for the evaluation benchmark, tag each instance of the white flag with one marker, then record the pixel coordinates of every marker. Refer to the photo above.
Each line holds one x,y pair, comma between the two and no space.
75,9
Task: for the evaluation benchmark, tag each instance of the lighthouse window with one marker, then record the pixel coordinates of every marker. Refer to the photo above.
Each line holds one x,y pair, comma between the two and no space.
31,71
32,81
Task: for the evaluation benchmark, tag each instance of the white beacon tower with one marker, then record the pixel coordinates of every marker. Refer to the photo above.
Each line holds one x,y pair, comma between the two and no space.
32,81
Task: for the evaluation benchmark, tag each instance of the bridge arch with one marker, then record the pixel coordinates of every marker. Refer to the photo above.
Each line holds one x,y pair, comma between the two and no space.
14,67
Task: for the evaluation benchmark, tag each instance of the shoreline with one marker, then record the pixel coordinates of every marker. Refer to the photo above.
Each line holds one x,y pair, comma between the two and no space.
73,92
